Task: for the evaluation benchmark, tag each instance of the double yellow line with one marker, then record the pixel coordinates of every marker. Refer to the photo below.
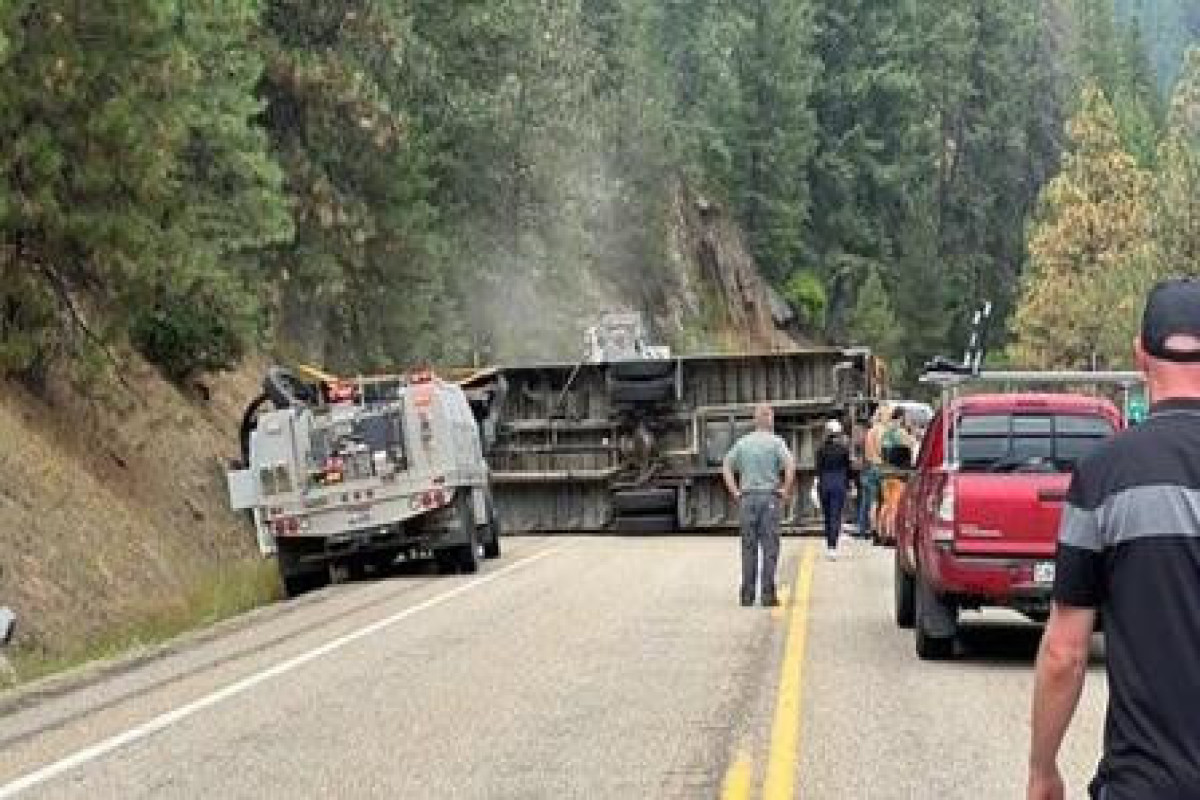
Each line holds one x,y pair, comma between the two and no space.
780,781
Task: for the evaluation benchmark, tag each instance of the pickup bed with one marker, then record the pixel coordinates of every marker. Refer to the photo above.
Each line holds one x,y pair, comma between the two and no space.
979,521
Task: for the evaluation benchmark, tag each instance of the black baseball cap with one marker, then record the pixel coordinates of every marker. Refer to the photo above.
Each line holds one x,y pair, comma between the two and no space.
1172,309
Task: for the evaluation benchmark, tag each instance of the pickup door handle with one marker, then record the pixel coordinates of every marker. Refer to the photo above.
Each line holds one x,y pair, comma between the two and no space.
1052,495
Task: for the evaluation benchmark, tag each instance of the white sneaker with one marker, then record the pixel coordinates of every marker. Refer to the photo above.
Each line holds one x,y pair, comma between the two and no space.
831,553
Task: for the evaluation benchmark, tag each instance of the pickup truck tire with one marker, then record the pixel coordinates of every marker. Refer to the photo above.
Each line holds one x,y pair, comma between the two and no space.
906,595
933,645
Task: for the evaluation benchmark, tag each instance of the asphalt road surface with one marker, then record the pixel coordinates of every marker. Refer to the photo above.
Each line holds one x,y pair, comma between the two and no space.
580,668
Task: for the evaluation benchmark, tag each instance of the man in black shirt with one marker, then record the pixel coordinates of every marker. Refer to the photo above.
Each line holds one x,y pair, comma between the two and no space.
1129,548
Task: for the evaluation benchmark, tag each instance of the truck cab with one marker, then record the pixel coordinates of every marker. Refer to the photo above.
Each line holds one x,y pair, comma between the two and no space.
344,476
978,526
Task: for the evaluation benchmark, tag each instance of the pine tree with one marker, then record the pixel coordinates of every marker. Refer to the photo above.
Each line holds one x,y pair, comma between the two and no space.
360,288
873,322
776,133
200,310
1091,248
102,109
1177,211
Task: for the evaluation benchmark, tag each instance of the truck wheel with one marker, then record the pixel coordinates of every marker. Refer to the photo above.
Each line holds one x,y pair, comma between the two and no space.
296,576
638,392
466,556
642,369
298,583
491,542
905,591
653,500
936,623
447,561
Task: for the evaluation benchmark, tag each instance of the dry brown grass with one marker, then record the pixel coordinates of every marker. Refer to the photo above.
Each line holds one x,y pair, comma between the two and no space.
114,525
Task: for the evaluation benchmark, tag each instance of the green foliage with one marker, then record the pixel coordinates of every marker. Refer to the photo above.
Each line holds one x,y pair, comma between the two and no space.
196,325
806,292
367,184
873,321
1093,251
131,162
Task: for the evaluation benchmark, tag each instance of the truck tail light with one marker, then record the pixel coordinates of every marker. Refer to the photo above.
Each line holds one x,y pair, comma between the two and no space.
942,531
945,509
286,525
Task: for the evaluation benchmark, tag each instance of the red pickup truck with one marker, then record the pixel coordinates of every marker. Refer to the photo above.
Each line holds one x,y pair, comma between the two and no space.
978,524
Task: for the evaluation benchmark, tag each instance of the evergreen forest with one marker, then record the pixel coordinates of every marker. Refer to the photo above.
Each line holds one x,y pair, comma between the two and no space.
366,183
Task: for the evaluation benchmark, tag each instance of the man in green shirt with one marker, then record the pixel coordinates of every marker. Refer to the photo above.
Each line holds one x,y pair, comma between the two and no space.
759,472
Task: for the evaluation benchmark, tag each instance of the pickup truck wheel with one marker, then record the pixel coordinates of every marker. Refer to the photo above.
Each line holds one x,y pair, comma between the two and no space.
905,591
936,624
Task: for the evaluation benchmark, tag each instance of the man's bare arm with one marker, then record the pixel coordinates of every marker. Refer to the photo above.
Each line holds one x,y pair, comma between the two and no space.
789,475
1059,676
730,481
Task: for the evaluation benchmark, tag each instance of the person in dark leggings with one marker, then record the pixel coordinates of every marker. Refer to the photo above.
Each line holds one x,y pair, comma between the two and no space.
833,482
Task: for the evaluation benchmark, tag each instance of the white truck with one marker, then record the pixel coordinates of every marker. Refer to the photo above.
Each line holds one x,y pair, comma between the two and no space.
345,476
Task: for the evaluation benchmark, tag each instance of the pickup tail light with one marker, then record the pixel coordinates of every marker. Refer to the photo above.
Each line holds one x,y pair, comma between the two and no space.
945,509
943,526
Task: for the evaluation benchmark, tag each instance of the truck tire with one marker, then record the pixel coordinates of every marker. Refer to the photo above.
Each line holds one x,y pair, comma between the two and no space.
905,592
467,557
642,369
447,561
464,556
654,500
491,542
637,393
932,644
298,577
298,583
647,523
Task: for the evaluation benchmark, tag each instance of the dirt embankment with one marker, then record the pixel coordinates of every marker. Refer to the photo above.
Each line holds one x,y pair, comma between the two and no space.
113,509
713,296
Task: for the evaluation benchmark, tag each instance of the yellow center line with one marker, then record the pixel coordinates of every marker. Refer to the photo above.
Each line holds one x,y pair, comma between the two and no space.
739,781
780,782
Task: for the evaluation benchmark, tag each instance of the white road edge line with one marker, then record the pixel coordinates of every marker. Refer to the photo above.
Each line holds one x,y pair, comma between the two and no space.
169,718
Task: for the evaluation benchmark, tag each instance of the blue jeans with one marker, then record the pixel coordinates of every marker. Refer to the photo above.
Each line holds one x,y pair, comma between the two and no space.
833,492
867,499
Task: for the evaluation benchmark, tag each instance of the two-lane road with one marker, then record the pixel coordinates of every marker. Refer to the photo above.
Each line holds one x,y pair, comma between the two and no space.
590,668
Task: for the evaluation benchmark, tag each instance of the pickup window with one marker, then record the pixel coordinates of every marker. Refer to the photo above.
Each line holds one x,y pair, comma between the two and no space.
1028,442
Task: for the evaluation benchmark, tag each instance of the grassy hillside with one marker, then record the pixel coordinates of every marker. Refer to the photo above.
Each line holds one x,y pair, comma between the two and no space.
115,519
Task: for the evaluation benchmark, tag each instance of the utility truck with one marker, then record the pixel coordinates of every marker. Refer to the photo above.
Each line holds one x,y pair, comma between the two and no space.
343,476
